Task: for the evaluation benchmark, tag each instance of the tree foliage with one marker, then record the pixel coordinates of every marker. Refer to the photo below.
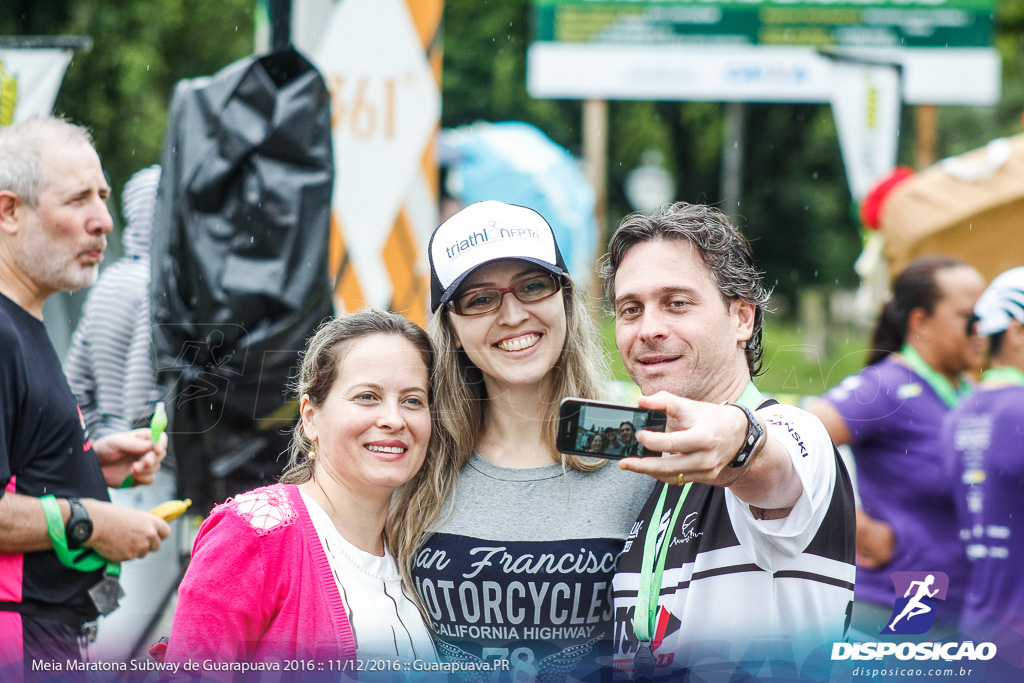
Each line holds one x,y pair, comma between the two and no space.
795,204
121,88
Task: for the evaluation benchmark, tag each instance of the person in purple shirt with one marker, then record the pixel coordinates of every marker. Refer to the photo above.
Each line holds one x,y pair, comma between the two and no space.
983,442
890,414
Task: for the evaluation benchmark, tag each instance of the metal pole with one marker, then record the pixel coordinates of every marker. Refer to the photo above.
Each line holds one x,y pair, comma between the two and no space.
280,24
595,159
926,141
732,157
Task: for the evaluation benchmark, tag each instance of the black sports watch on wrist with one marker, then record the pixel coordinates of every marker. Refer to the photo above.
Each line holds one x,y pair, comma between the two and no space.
755,435
79,527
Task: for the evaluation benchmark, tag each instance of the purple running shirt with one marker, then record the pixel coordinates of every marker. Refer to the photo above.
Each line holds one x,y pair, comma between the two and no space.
894,418
983,440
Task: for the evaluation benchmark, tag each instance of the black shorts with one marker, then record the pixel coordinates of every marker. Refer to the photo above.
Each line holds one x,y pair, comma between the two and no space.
48,641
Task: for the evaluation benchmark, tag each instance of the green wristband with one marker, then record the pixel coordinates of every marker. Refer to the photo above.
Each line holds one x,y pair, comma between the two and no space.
80,559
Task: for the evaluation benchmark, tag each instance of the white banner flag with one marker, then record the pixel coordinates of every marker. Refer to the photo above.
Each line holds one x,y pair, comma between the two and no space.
866,104
29,81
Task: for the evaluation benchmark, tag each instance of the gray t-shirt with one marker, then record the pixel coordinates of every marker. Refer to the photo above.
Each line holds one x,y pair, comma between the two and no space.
521,570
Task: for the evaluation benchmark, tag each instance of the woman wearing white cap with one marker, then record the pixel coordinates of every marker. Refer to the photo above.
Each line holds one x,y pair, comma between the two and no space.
516,570
983,448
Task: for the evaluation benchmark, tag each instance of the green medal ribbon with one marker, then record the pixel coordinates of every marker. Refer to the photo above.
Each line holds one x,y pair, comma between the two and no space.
751,398
650,571
1004,373
949,394
79,559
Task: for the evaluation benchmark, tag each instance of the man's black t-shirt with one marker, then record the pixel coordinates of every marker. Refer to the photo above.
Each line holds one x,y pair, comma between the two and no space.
44,449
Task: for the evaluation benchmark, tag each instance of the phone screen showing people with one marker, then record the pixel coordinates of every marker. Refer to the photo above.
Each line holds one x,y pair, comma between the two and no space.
605,430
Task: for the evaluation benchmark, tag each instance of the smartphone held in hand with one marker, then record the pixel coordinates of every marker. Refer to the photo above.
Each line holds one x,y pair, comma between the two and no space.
605,430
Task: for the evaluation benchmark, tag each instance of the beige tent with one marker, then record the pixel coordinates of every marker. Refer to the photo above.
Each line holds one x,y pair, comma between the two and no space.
970,206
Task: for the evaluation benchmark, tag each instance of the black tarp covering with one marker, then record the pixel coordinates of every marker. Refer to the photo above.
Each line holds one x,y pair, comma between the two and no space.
240,265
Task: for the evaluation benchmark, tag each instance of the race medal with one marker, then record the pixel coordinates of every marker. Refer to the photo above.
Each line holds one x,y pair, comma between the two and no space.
106,594
643,663
645,614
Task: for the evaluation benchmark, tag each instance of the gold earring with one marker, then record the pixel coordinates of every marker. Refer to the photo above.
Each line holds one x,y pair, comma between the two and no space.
312,451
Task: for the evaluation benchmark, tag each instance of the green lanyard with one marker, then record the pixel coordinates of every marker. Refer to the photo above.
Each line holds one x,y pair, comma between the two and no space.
80,559
1004,374
650,570
751,398
939,384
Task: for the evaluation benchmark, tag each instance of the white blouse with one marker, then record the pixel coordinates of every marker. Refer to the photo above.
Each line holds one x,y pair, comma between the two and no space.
385,621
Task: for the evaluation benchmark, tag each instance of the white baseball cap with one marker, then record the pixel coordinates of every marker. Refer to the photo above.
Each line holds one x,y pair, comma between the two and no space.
483,233
1001,302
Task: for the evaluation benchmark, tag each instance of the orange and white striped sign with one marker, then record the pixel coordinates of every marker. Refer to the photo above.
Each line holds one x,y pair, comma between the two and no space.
382,63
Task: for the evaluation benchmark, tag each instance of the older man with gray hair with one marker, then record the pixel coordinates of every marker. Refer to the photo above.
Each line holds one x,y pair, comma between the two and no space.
61,540
746,554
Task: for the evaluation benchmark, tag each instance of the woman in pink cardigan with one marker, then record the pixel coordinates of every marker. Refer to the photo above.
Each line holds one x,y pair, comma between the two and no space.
299,572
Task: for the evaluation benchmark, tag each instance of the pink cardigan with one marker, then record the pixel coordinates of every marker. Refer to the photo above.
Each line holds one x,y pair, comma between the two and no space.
259,587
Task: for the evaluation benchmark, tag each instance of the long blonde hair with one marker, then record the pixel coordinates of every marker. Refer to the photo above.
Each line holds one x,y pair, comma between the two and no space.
459,402
414,500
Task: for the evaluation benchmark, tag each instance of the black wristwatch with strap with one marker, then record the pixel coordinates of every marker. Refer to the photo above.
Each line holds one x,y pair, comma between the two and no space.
79,527
755,435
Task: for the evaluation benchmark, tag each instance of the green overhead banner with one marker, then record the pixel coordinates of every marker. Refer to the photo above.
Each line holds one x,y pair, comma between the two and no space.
825,23
759,50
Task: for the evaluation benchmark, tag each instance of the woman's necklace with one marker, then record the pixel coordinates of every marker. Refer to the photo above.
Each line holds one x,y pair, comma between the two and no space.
340,548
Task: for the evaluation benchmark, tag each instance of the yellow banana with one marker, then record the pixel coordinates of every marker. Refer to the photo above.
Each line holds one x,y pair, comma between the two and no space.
171,510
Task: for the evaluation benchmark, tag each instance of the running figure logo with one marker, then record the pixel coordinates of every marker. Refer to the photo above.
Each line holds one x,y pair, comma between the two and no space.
914,612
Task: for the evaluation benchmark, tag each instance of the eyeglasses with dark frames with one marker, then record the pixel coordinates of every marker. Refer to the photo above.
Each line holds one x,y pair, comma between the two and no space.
528,290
